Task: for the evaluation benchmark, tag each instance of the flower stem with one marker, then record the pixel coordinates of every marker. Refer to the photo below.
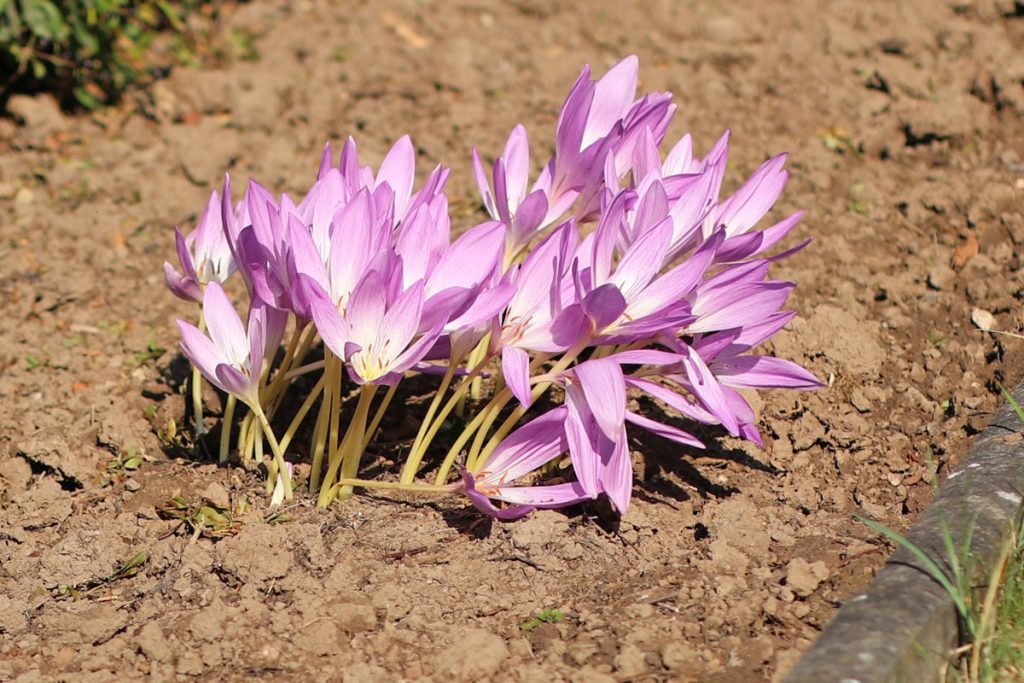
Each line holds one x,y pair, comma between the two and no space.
197,390
467,433
420,447
278,466
225,428
340,457
301,415
510,422
322,432
379,415
354,437
395,485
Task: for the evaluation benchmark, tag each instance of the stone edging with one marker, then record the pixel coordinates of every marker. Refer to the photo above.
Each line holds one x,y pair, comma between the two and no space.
903,627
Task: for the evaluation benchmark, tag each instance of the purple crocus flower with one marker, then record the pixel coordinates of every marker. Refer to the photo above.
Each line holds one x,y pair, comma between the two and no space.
232,356
524,213
379,335
205,255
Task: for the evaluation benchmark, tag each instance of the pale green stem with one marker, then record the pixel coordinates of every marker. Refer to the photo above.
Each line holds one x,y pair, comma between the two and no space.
278,467
379,415
197,389
225,428
395,485
467,433
416,455
321,434
305,369
353,451
301,415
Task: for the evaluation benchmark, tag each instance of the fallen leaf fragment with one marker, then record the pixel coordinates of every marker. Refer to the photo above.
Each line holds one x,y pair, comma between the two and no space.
965,251
404,31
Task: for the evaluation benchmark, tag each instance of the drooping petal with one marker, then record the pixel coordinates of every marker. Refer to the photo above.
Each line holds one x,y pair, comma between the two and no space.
181,287
586,461
604,389
200,351
663,430
544,496
515,368
617,474
763,372
533,445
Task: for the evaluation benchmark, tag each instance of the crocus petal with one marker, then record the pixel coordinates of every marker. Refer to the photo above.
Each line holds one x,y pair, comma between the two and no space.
750,244
672,399
231,380
484,186
585,460
200,351
181,287
185,256
533,445
663,430
604,389
515,368
398,170
224,325
551,496
332,327
710,392
763,372
741,211
482,503
604,305
676,283
738,306
617,475
613,96
402,319
366,308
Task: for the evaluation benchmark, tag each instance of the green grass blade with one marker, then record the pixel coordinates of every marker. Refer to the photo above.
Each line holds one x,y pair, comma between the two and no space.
1013,402
933,569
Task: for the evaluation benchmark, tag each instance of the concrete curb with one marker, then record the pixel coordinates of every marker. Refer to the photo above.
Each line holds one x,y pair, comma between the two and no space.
902,628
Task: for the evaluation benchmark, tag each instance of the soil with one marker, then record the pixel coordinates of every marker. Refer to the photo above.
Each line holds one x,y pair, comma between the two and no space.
905,126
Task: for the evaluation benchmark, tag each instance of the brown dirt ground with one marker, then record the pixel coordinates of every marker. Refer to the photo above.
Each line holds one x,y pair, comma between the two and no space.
905,122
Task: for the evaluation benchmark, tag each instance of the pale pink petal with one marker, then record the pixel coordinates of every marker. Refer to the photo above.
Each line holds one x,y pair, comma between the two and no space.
604,390
663,430
224,325
515,368
398,170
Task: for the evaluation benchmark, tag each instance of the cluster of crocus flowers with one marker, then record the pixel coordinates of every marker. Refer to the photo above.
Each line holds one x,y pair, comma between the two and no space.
615,271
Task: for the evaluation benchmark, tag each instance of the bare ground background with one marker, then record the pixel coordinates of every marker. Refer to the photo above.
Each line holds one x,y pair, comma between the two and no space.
904,124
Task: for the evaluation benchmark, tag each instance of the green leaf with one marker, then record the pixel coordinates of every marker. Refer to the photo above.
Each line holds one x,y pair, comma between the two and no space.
87,99
44,19
88,43
38,69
